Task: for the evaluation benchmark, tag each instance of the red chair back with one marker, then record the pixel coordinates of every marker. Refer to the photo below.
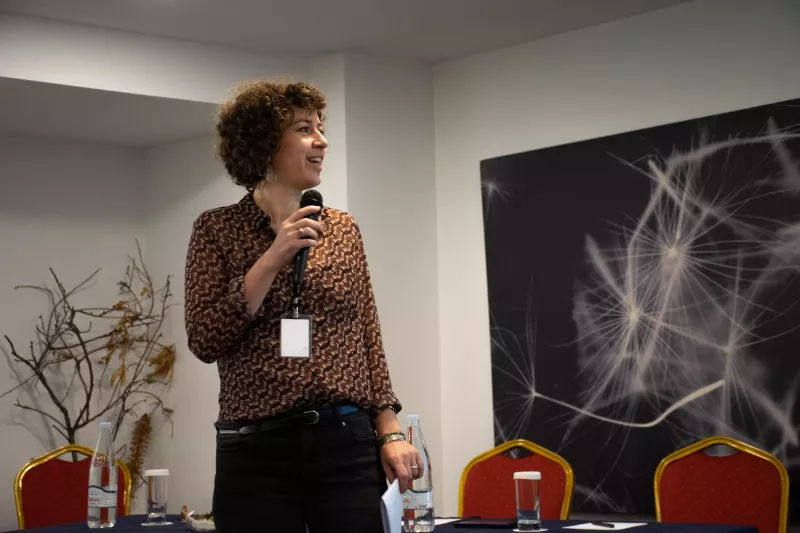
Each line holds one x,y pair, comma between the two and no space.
51,491
744,486
487,483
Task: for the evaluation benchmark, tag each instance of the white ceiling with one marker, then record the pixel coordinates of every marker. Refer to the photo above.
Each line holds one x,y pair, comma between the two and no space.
50,111
424,30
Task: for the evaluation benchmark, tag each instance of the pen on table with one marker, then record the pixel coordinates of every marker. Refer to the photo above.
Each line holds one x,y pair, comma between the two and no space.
604,524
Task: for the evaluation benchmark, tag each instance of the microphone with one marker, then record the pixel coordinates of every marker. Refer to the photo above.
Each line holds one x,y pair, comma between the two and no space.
310,197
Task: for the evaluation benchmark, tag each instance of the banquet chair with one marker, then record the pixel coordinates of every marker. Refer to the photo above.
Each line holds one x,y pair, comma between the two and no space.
487,486
51,491
720,480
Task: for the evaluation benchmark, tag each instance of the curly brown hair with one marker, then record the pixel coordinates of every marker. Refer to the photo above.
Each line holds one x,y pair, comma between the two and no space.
251,124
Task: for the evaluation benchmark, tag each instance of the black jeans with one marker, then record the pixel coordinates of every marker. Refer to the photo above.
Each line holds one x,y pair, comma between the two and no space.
326,476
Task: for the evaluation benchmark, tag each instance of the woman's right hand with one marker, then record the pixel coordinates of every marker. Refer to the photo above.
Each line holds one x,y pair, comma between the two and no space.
295,233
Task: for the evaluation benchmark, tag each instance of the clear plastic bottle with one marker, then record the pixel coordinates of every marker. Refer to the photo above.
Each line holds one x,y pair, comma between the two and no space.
418,499
103,481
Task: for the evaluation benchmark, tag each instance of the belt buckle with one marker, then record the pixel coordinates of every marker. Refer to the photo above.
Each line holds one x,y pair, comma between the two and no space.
248,429
316,417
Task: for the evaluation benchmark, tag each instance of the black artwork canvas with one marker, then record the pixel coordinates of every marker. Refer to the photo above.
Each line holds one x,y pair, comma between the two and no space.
644,293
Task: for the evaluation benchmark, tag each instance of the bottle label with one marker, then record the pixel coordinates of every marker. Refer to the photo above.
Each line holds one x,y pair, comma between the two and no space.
418,500
99,497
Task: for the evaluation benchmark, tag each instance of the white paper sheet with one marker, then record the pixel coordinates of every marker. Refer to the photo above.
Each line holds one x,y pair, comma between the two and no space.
392,509
588,526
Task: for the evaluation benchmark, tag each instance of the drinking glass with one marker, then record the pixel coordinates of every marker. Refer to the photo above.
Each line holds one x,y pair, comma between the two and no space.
527,487
157,496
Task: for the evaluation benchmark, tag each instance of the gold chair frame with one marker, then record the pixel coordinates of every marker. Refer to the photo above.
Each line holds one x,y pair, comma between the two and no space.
126,474
569,486
737,445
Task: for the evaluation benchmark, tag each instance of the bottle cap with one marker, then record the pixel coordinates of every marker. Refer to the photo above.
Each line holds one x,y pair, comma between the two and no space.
413,417
106,425
527,475
158,472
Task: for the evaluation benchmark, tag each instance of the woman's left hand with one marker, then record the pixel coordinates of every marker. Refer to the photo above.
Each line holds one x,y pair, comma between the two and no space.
398,459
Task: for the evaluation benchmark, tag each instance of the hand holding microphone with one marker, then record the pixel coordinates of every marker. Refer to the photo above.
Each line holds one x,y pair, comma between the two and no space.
310,198
298,233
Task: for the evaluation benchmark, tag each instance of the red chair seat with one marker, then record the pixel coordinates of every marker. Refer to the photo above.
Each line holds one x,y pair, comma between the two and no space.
51,491
487,483
745,486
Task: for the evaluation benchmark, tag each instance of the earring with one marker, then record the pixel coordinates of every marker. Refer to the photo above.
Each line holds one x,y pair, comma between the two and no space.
270,177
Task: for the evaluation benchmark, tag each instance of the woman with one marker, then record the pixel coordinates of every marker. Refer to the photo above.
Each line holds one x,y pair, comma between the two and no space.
300,441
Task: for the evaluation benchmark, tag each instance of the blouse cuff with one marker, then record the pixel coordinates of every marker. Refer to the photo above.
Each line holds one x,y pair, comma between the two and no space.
391,403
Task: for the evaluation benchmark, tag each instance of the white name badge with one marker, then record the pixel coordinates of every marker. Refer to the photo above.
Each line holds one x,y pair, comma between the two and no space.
296,336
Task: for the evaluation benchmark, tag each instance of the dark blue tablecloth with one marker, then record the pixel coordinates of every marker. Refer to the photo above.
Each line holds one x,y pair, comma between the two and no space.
129,524
125,524
651,527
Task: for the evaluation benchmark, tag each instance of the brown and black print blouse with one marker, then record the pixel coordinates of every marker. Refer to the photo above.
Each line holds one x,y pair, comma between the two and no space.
347,363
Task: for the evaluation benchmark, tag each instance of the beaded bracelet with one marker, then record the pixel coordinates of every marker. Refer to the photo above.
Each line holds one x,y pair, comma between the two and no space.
391,437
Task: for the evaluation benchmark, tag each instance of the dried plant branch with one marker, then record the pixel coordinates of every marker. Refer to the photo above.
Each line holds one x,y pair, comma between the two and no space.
46,415
140,441
34,365
115,353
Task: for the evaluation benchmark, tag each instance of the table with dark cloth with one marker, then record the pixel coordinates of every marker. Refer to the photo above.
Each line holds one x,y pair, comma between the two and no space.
650,527
129,524
125,524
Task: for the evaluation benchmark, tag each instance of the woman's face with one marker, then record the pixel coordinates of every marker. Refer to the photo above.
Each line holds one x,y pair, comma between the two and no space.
298,163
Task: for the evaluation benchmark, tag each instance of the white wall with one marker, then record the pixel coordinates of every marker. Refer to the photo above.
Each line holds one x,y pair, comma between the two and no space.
328,74
84,56
72,207
696,59
391,193
182,180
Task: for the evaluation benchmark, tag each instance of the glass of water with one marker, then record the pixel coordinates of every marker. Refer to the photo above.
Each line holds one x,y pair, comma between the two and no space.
527,485
157,497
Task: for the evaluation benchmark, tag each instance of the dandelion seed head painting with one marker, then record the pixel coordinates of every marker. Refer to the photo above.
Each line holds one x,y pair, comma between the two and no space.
644,293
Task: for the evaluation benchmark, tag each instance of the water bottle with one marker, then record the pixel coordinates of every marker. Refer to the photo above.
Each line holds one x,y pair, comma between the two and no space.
103,481
418,499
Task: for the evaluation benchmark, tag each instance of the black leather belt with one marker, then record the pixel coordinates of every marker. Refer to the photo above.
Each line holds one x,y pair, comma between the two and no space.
296,419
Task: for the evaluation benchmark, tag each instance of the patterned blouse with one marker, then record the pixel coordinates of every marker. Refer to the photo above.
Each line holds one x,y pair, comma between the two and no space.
347,363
